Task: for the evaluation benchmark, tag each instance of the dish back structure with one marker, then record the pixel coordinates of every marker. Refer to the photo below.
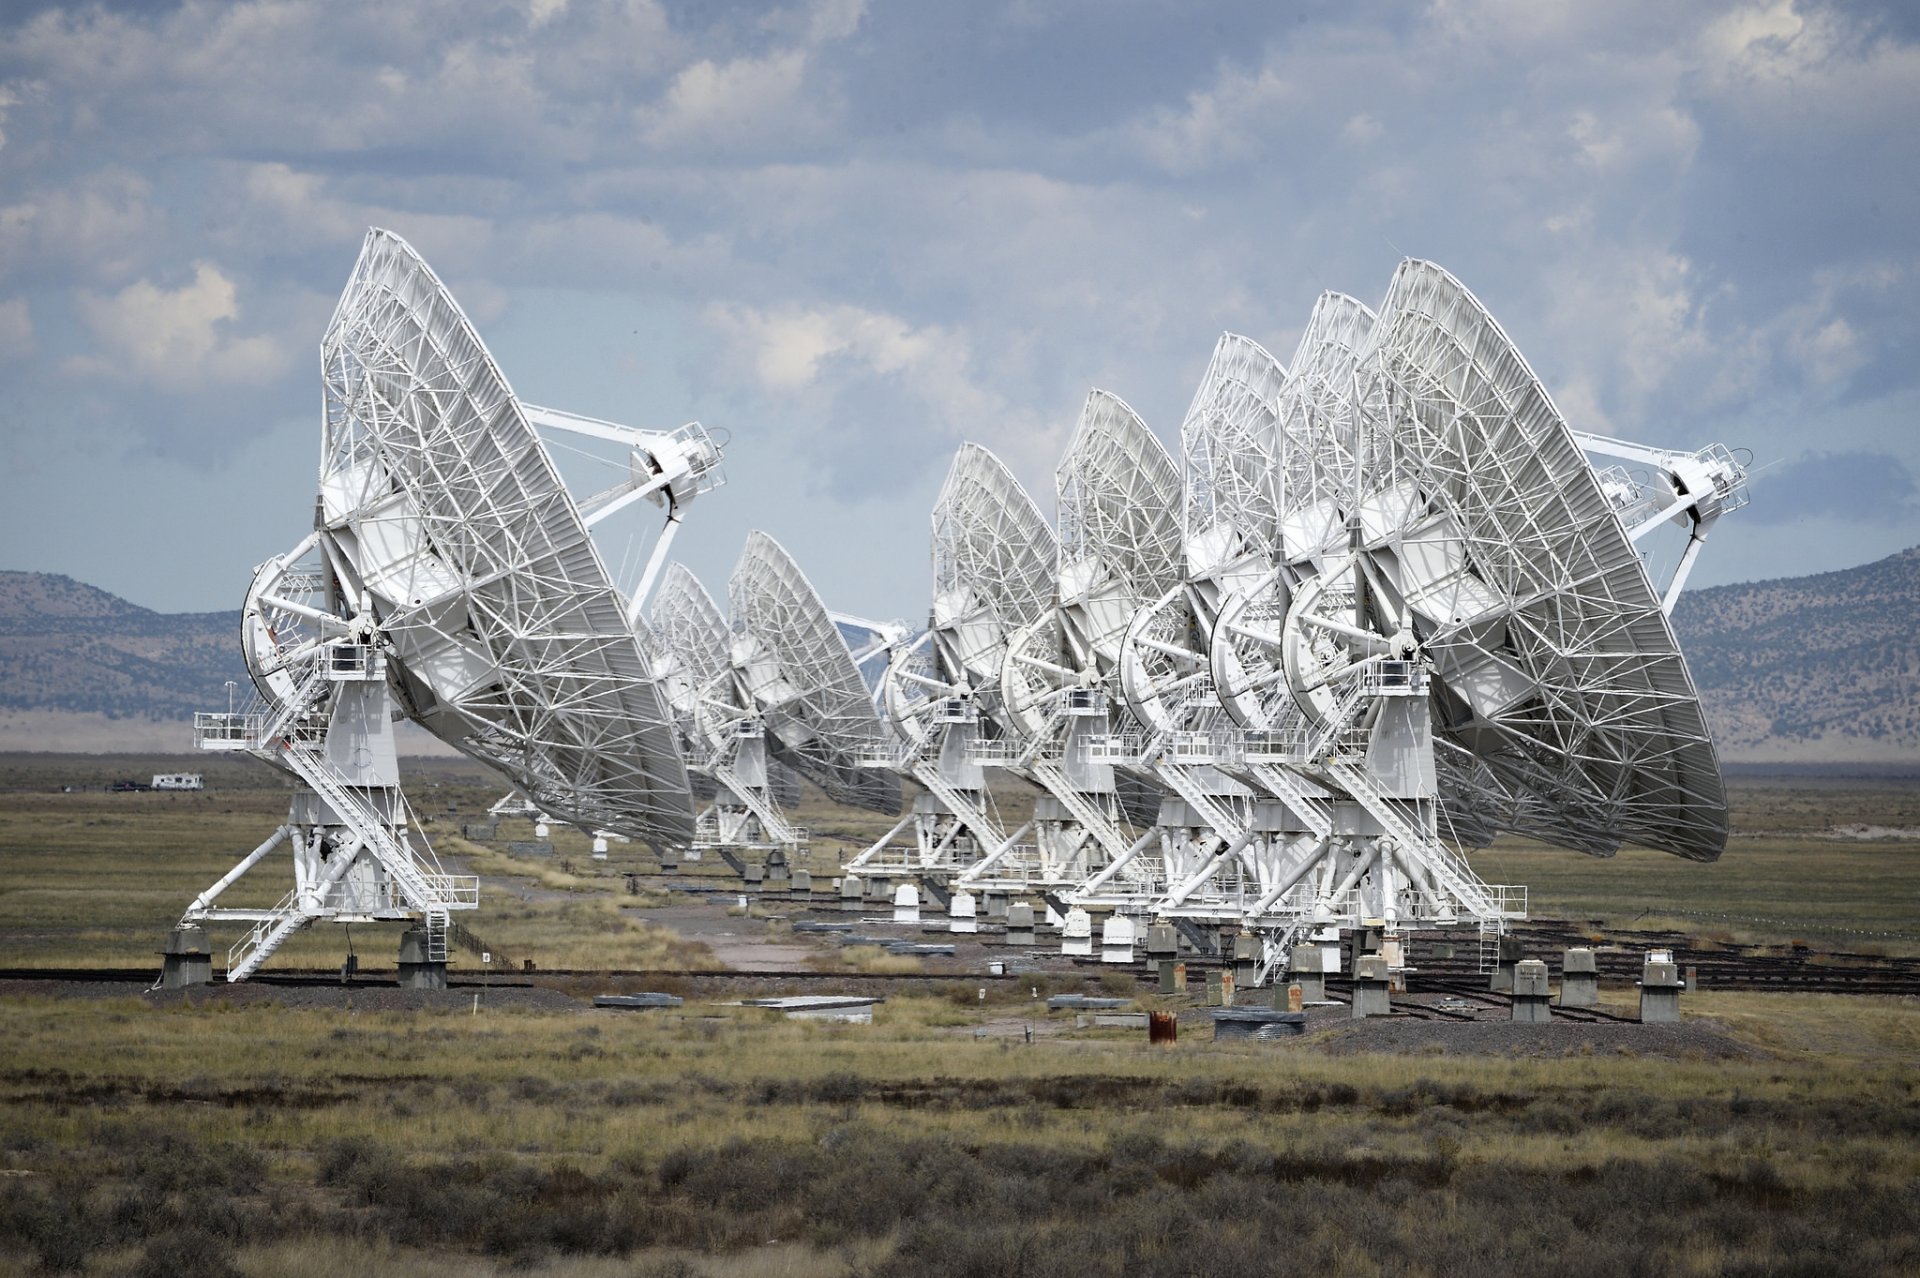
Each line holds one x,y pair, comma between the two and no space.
793,667
993,569
1118,502
1460,633
725,740
451,577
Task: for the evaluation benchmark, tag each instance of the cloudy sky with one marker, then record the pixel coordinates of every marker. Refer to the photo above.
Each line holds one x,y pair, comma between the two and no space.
853,235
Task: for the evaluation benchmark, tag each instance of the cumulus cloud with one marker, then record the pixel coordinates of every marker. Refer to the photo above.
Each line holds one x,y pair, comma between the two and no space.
747,103
756,103
98,226
1222,122
175,338
278,203
930,223
915,389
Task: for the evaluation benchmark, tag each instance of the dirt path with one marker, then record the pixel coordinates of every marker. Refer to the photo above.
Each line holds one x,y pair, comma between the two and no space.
741,944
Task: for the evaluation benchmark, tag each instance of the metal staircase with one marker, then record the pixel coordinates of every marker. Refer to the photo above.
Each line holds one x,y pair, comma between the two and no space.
438,922
289,916
965,811
1091,818
770,817
1214,814
287,738
371,832
1309,807
1450,874
266,936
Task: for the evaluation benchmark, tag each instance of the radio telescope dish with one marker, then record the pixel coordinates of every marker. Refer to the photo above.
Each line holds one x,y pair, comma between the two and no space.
1118,496
1486,548
509,640
993,572
994,557
1559,672
451,577
725,738
690,635
795,668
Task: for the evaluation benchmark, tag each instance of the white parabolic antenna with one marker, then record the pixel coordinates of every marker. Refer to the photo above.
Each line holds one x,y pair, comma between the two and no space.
690,633
508,640
795,668
993,568
725,738
451,578
1442,513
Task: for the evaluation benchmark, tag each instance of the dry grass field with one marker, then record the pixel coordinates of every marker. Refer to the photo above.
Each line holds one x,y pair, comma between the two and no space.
95,878
275,1136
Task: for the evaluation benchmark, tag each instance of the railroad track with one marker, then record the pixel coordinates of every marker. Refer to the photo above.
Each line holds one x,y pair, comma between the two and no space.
515,980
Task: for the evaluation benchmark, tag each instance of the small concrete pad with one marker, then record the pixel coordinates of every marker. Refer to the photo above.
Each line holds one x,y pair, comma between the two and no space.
820,1007
1256,1022
1084,1003
637,1002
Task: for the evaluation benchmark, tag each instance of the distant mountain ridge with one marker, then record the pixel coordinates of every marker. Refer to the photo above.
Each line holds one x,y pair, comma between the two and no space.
69,647
1810,669
1817,669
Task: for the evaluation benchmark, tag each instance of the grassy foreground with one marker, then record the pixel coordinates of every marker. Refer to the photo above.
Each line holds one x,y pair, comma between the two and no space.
218,1139
211,1138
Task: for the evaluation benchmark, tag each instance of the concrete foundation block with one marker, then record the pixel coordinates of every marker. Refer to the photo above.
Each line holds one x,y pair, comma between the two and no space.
1660,987
963,914
1530,992
1579,978
1510,953
1246,959
1076,937
1304,968
187,960
417,971
1370,993
1020,924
